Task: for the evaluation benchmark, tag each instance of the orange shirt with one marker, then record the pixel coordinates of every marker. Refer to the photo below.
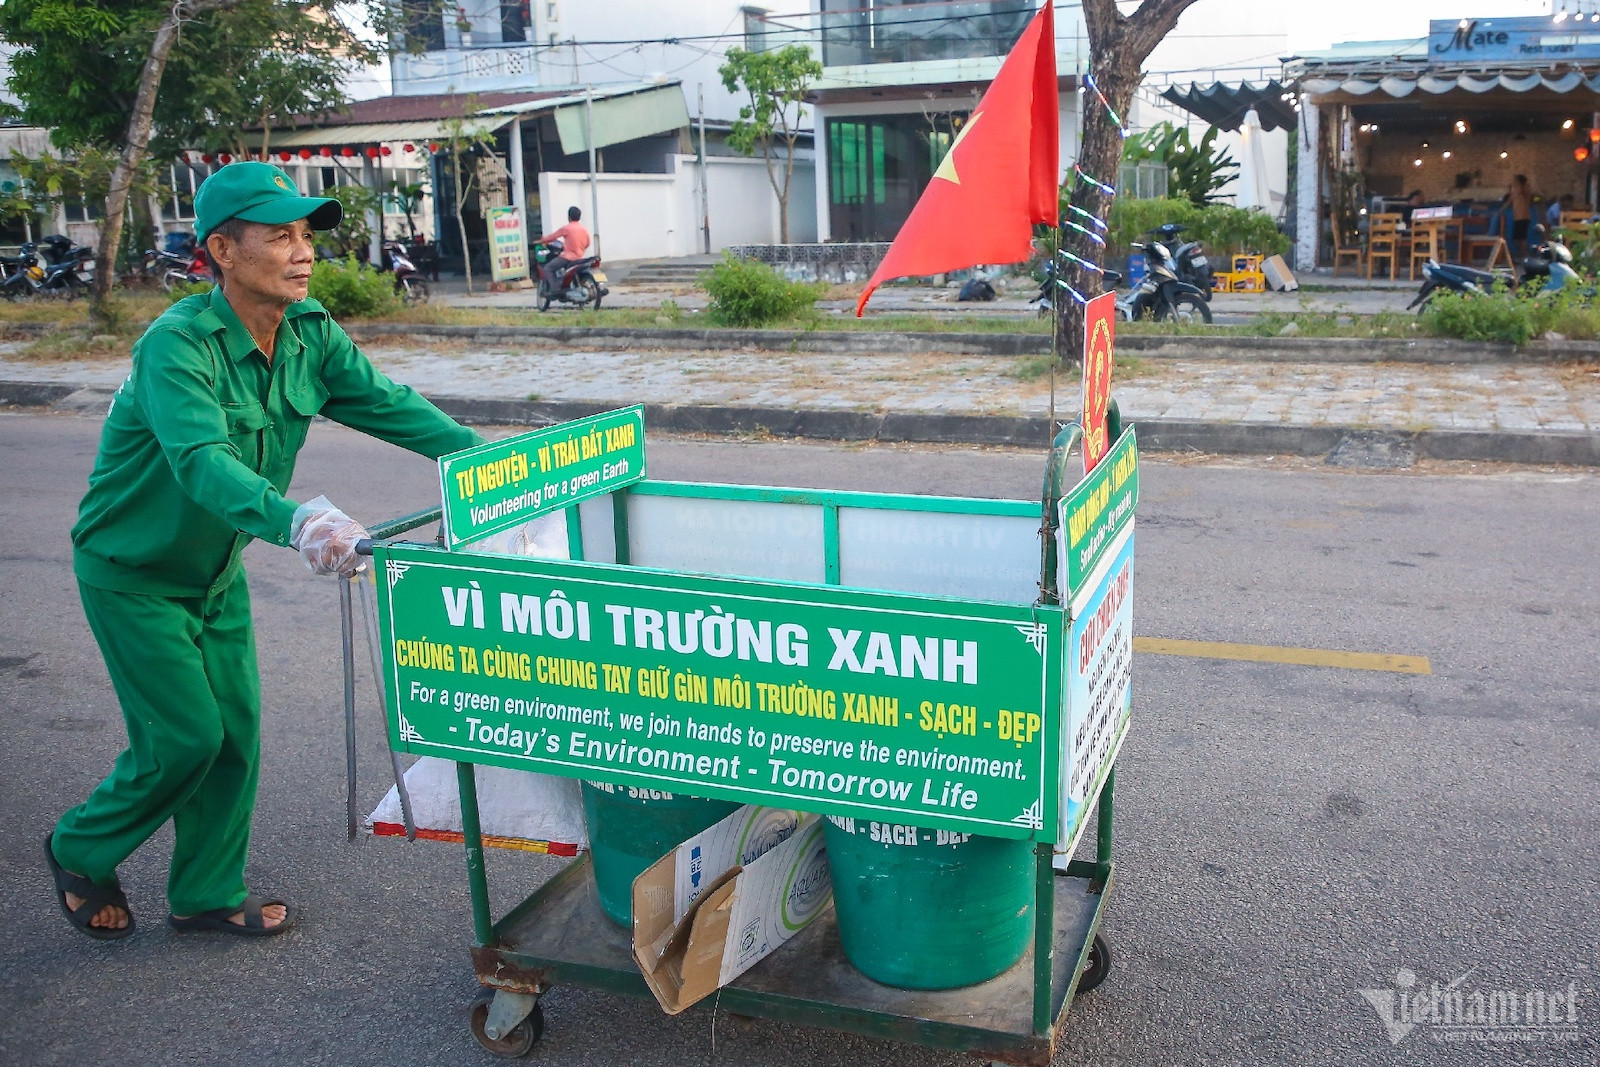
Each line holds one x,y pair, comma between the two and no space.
575,240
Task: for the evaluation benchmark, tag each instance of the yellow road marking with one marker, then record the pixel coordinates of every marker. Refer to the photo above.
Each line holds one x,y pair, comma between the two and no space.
1306,657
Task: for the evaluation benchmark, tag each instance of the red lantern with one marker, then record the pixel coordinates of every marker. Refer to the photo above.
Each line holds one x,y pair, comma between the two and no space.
433,147
347,151
1580,153
224,158
206,158
1594,136
286,156
305,153
326,151
372,153
385,151
411,148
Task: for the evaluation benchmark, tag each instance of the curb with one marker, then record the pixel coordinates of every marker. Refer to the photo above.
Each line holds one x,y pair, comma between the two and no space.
1344,445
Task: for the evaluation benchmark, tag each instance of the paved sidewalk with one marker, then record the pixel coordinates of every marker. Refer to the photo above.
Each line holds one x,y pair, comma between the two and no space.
1545,398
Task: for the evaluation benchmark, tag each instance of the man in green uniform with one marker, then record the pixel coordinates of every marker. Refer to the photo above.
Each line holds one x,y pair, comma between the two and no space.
195,457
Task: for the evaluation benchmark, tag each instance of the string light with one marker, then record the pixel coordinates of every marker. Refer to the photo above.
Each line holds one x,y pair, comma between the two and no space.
1102,186
1081,261
1079,297
1088,79
1094,220
1090,234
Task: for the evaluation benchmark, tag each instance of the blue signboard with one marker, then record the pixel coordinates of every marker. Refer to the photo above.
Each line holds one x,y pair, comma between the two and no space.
1538,38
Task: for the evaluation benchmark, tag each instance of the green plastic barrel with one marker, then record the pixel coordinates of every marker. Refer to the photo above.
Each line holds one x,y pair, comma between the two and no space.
630,829
929,909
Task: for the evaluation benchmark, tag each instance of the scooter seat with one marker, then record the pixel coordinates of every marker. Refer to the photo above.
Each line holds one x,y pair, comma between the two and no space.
1464,273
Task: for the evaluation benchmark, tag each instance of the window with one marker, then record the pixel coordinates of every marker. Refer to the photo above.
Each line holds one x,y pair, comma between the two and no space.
755,28
515,20
906,31
424,22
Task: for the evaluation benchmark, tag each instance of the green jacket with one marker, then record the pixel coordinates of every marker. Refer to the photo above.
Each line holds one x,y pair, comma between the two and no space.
200,443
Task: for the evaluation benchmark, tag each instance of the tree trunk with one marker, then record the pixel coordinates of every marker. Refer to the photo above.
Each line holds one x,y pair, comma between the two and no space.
135,146
1118,47
133,152
461,223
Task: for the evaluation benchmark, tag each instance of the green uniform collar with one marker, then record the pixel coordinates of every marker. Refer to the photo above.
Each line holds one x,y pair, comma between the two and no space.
219,317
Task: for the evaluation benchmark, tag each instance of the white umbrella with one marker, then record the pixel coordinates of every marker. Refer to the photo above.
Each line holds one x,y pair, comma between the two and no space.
1254,190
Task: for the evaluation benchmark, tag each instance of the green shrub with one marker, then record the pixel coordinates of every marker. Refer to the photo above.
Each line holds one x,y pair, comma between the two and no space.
1500,316
352,290
750,293
178,292
1223,229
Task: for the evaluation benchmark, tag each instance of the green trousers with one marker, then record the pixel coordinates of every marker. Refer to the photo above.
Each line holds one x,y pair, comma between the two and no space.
184,671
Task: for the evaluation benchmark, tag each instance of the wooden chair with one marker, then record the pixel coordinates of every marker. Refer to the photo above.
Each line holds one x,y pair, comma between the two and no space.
1341,250
1473,244
1426,244
1383,242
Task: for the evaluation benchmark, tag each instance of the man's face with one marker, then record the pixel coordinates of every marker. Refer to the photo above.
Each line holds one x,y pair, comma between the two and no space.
271,263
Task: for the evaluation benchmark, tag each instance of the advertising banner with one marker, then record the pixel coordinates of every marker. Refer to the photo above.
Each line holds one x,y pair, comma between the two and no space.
1099,687
830,700
508,245
1099,338
502,484
1095,512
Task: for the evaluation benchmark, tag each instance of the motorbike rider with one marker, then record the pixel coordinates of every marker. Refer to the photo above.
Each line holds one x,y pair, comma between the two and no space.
574,245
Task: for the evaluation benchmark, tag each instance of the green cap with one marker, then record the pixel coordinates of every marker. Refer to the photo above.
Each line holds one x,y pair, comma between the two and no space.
258,192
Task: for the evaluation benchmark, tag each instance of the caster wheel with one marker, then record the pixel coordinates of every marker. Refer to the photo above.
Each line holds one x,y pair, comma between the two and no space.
1098,966
514,1045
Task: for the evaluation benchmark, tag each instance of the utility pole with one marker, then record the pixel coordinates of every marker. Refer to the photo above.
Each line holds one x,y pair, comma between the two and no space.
594,189
705,191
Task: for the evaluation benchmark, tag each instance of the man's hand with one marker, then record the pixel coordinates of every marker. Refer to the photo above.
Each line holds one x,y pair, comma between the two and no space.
326,538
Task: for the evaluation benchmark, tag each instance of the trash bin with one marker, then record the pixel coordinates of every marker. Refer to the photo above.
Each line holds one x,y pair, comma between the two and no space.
929,909
629,829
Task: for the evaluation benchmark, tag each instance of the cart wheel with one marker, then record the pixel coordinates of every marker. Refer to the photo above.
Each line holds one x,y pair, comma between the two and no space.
514,1045
1099,965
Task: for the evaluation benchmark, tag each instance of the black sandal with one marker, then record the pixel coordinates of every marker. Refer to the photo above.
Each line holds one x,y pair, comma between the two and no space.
94,898
219,920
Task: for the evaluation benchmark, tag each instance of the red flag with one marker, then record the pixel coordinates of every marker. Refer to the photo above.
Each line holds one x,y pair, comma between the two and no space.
997,180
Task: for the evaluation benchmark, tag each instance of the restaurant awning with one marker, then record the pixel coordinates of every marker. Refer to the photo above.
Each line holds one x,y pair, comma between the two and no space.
1224,106
1400,86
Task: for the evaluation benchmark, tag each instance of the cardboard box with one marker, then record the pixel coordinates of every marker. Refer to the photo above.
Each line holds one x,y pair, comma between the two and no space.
1279,276
726,899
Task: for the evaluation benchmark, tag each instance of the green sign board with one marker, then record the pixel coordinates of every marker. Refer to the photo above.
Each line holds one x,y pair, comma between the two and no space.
1097,510
502,484
930,711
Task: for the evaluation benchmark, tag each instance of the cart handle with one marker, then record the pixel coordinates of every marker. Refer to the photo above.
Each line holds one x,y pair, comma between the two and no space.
395,527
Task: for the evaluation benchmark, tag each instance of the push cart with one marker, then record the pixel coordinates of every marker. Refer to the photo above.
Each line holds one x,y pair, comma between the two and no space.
818,543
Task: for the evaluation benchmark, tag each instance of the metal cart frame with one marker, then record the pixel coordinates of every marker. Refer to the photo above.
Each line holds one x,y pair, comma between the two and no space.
559,936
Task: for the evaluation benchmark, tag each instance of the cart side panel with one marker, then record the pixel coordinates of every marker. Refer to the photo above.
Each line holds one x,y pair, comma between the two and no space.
746,538
973,556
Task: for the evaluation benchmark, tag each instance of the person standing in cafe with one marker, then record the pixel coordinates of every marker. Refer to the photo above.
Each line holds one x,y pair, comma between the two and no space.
1520,198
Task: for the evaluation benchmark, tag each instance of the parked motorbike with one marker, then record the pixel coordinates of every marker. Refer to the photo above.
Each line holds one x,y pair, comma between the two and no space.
1162,294
21,274
580,282
1548,258
196,268
1187,259
51,266
408,281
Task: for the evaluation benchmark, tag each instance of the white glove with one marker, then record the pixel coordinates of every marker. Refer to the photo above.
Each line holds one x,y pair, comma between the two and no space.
326,538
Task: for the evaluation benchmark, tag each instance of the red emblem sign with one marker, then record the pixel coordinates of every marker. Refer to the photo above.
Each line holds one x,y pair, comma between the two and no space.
1099,337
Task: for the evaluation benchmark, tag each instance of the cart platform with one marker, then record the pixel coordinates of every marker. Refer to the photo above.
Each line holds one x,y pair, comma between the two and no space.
559,936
